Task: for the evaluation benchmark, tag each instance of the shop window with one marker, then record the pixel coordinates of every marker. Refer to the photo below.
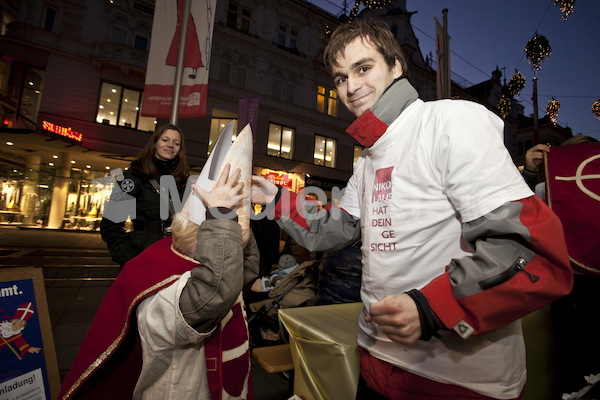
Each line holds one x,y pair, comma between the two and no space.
142,37
24,198
325,150
281,141
357,151
121,106
217,125
49,18
119,31
85,204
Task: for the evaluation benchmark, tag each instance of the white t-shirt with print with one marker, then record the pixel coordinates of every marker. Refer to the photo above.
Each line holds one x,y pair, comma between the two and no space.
412,190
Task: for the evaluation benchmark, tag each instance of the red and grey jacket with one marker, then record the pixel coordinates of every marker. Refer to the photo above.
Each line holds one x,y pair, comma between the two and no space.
519,264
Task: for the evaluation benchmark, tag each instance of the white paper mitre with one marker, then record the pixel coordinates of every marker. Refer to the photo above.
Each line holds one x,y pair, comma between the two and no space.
239,155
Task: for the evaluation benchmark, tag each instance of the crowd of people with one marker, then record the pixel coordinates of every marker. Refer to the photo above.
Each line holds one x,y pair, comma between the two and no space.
437,234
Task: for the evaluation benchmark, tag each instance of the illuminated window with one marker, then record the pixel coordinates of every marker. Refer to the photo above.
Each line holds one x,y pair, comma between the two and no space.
122,106
325,149
327,101
357,151
119,31
321,99
217,125
332,103
281,141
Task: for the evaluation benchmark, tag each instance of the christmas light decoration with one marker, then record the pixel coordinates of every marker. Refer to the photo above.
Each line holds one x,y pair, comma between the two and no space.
370,4
516,84
504,105
552,109
537,50
566,6
596,109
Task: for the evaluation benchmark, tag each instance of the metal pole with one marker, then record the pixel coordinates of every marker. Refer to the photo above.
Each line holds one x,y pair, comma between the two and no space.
187,5
536,127
448,81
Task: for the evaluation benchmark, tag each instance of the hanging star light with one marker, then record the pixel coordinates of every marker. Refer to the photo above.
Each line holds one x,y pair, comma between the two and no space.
504,105
566,6
552,110
537,50
516,84
596,109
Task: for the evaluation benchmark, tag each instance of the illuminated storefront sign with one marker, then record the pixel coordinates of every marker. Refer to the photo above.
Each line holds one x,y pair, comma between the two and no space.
279,179
61,131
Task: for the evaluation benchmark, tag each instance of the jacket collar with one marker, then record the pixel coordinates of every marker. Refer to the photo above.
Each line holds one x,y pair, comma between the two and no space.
373,123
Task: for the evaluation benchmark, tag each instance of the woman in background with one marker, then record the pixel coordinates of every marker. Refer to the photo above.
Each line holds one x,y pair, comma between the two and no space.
164,154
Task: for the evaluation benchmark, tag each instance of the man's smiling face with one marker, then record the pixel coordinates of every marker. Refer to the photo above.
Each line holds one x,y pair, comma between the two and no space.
361,75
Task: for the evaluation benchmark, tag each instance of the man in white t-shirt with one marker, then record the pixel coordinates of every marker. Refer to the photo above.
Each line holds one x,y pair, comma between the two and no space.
455,246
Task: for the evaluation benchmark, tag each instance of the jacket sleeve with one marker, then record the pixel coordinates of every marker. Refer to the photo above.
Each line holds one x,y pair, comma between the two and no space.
251,260
214,286
531,178
313,227
520,264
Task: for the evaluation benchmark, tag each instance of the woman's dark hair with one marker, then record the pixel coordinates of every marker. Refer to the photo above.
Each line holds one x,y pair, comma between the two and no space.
145,163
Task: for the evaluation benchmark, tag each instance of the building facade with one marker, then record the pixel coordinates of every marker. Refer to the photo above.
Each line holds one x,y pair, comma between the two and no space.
72,78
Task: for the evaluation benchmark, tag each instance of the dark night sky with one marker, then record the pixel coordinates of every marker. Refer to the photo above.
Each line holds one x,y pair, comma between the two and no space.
485,34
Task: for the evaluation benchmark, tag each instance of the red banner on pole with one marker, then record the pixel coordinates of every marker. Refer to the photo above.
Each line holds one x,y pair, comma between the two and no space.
573,192
162,58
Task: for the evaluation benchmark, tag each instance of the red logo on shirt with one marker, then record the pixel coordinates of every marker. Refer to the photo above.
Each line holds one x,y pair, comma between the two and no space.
382,187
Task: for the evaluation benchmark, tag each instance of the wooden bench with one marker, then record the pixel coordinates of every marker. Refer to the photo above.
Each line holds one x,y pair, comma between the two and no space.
276,358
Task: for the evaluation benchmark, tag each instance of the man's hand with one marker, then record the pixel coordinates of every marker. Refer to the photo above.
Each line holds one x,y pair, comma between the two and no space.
535,156
227,191
263,191
397,316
